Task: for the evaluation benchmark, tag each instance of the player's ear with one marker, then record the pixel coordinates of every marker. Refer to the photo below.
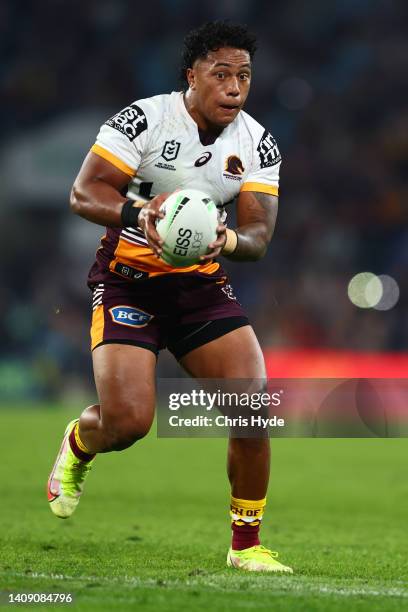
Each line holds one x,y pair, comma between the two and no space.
190,74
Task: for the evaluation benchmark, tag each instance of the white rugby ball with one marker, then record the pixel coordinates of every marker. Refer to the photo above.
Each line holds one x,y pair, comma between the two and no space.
188,227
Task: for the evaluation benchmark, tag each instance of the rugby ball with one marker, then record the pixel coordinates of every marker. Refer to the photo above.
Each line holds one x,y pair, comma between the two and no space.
189,226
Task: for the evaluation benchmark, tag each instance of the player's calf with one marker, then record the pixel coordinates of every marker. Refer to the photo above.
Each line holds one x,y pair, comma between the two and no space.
123,433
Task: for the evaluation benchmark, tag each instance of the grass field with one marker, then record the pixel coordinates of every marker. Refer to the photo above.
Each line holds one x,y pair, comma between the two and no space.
152,530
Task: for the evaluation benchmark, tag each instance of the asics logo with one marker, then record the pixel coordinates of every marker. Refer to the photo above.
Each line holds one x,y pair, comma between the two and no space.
203,159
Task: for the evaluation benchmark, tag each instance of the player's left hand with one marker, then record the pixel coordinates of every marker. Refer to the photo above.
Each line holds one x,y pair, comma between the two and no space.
215,248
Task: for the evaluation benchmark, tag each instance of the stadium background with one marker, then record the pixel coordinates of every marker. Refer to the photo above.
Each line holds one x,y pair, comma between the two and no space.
329,82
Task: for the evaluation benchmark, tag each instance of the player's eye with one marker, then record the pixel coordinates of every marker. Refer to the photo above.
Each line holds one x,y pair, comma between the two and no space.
220,75
244,76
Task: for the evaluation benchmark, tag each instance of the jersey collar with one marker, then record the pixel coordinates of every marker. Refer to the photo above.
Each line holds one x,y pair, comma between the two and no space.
190,121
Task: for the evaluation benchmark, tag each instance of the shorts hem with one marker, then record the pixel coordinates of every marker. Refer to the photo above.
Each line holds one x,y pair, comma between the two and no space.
147,345
217,329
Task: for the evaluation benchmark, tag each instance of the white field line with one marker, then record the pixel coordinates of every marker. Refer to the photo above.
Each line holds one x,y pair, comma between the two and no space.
286,584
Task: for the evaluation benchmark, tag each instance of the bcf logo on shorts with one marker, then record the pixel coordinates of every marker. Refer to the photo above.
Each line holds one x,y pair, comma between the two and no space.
130,316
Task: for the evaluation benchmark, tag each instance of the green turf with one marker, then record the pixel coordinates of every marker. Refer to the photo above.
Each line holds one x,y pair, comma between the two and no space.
152,530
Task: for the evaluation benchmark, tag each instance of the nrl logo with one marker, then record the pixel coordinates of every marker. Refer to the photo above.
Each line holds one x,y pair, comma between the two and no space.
170,150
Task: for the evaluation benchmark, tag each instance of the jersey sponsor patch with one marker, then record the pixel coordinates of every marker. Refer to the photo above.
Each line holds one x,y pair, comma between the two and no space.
268,150
131,121
130,316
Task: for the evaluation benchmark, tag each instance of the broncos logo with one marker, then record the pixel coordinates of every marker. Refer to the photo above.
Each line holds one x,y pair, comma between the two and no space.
233,165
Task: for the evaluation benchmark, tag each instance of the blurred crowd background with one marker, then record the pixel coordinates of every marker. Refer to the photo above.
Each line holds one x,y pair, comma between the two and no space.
330,82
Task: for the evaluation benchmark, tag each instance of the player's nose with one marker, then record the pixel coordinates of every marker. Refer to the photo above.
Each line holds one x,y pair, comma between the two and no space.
233,87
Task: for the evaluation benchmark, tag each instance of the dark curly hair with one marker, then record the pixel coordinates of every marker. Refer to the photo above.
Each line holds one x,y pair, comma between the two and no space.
212,36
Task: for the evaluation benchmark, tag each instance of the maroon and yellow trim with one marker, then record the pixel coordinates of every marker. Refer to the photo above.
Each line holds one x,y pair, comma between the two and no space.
261,188
110,157
146,261
97,327
247,511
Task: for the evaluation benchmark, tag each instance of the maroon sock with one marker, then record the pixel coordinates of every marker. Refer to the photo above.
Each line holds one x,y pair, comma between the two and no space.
76,450
245,536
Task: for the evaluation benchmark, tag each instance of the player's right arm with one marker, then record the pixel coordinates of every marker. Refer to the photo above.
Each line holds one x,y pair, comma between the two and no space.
96,193
96,196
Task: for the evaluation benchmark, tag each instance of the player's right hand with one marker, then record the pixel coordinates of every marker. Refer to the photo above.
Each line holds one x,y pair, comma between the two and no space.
148,217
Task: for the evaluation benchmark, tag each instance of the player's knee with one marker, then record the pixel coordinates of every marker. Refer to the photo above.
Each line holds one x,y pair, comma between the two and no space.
127,431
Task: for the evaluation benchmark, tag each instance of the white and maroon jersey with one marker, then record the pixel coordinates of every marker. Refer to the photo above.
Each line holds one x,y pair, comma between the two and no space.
158,144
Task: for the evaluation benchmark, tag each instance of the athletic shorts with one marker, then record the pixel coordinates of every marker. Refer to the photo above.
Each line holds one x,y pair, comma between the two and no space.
176,311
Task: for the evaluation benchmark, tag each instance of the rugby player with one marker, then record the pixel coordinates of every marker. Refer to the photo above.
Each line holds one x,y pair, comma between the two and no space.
199,137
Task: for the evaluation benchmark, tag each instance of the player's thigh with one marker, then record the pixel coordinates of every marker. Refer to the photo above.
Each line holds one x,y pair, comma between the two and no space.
236,354
125,382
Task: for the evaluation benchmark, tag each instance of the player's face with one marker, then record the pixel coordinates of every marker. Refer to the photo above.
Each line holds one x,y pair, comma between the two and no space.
219,85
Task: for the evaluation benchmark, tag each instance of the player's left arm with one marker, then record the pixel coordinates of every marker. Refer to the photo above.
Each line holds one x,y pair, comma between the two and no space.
257,205
256,217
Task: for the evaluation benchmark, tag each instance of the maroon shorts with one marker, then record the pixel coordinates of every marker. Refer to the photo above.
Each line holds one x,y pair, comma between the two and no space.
177,311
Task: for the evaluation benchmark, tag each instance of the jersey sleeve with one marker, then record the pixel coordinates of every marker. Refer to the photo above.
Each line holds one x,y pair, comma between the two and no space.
122,139
264,174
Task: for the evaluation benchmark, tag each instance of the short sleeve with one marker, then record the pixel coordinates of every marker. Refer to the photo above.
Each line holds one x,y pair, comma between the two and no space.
264,174
122,139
